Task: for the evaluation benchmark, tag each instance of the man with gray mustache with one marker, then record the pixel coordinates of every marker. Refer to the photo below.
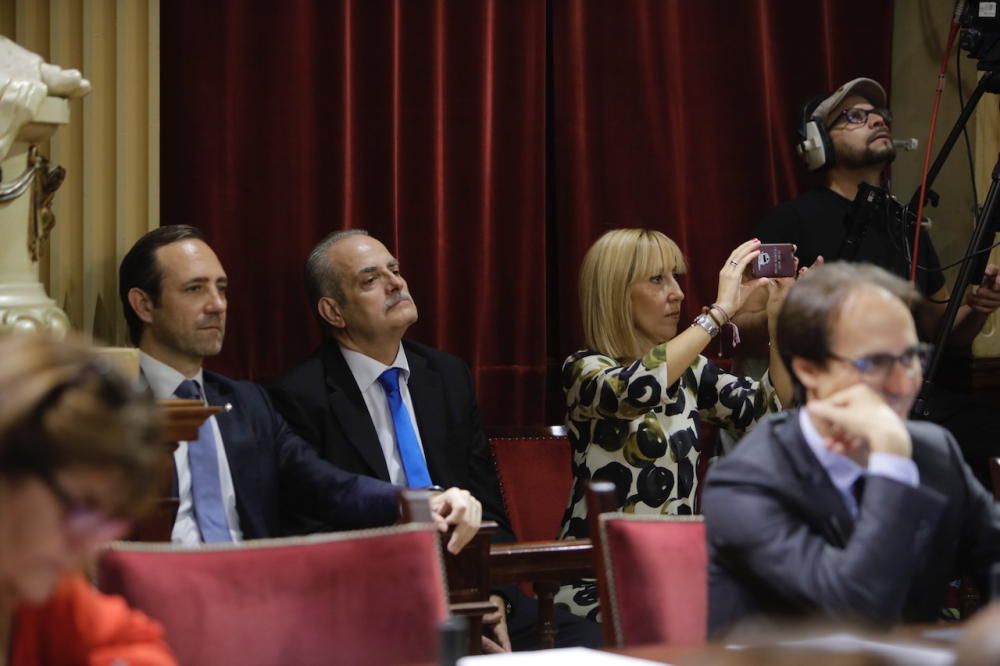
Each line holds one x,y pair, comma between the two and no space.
376,404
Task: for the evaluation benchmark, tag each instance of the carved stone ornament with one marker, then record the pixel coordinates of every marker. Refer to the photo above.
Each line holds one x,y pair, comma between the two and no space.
33,104
25,81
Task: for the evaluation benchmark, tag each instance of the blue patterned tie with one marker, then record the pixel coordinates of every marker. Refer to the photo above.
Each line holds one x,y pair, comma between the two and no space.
206,488
414,465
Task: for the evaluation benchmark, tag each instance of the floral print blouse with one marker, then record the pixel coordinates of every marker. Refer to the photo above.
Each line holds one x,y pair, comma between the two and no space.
627,427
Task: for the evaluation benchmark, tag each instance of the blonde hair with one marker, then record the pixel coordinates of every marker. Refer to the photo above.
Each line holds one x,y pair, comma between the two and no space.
619,259
61,406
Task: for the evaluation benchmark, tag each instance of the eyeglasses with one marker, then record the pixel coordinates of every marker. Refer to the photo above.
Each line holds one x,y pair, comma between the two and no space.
878,366
83,521
857,115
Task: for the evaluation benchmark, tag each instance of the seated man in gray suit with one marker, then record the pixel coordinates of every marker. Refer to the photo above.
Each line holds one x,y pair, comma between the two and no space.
843,509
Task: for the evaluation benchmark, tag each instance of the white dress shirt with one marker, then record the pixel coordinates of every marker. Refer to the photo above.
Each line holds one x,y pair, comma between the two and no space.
843,471
163,380
366,371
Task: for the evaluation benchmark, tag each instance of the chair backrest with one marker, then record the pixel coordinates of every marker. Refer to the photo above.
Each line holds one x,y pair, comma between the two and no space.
536,474
652,574
365,597
995,473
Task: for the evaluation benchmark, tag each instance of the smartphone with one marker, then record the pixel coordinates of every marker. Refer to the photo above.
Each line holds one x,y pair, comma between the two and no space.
774,261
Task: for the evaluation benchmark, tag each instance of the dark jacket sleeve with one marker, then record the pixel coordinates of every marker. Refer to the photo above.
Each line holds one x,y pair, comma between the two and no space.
321,490
980,534
759,539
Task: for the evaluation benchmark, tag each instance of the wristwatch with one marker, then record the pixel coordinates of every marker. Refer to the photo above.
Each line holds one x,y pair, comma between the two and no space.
707,323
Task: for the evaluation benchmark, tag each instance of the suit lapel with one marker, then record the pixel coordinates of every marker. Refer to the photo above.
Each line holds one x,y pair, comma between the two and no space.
819,500
349,409
428,403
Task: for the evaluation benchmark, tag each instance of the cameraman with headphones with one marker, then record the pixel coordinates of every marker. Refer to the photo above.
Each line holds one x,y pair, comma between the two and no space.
847,136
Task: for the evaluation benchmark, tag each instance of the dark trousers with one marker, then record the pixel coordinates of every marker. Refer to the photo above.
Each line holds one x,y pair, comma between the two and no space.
571,630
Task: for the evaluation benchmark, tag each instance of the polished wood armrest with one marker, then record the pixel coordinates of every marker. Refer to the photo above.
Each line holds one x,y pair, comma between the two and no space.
182,418
547,564
472,608
557,561
468,575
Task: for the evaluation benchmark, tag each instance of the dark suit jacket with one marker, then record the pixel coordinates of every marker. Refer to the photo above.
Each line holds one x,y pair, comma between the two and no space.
782,542
273,470
323,403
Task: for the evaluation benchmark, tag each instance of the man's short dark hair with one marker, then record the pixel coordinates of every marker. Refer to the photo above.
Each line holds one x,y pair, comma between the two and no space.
321,280
812,308
140,269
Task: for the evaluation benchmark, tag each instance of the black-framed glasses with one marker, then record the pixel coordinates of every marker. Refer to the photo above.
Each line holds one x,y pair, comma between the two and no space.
879,365
83,520
857,115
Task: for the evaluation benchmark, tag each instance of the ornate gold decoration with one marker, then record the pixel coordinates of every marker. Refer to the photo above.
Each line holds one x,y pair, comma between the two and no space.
44,181
42,219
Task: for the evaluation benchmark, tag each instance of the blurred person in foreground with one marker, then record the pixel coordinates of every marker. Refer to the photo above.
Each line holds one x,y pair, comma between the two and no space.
79,456
636,396
844,509
979,642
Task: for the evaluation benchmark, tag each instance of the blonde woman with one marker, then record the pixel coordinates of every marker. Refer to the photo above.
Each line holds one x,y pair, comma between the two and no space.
635,397
79,458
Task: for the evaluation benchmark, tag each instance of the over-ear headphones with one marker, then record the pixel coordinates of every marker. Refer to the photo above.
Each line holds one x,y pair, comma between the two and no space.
814,145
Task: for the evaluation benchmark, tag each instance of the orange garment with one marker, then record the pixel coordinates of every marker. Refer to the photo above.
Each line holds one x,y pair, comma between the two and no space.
79,626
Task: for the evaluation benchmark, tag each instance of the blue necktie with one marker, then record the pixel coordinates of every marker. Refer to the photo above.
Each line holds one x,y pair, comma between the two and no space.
206,488
414,465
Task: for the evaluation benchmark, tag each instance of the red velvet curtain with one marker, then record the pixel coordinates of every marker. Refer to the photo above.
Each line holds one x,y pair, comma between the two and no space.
487,143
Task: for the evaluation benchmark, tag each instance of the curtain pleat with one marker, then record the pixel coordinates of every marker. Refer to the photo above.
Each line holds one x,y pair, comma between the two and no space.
487,143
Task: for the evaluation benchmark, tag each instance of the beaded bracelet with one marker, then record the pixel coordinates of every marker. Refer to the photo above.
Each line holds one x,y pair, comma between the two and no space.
716,306
708,312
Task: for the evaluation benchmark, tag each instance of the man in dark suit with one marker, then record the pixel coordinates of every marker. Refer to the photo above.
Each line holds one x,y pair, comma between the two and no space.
247,467
339,401
843,509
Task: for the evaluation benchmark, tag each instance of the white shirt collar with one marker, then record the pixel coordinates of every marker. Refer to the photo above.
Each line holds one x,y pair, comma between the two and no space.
367,370
843,471
162,379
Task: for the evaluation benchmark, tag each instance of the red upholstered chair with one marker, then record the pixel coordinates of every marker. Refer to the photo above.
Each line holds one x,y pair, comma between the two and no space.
995,473
652,574
365,597
535,471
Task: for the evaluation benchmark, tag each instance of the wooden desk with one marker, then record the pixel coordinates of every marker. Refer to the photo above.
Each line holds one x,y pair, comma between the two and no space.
772,654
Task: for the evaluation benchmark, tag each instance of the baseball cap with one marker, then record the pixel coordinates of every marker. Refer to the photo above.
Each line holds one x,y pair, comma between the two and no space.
867,88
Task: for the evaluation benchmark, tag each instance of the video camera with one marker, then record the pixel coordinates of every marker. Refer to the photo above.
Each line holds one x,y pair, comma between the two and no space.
980,33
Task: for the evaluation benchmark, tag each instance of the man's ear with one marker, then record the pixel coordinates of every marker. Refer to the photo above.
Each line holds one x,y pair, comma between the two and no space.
142,305
329,310
806,371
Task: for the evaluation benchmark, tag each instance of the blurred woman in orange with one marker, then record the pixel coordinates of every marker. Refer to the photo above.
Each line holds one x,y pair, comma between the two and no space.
78,461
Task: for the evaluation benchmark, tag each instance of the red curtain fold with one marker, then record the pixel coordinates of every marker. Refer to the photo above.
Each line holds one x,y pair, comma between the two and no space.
487,143
679,116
